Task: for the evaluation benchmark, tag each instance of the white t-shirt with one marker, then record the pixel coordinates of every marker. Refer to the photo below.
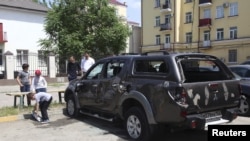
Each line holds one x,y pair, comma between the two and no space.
42,96
38,82
87,63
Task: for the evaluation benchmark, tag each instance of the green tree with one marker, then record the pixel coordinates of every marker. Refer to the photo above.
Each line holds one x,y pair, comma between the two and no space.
76,26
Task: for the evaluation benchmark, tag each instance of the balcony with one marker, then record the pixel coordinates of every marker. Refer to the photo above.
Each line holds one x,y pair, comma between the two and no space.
165,46
166,8
205,22
165,27
205,3
205,44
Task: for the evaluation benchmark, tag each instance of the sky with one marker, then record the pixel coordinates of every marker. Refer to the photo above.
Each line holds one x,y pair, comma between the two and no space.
133,10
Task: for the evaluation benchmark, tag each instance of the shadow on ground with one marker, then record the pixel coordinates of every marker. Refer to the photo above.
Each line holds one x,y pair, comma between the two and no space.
117,129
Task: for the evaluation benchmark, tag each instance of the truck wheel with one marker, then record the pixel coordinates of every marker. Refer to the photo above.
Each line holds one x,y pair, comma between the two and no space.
71,108
136,124
244,109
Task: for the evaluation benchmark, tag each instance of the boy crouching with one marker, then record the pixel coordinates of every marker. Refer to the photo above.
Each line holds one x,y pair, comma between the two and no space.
43,101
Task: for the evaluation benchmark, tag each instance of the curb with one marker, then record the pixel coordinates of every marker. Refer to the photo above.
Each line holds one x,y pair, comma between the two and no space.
53,111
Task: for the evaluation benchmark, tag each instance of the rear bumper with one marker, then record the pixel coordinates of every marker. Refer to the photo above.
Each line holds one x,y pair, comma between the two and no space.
201,121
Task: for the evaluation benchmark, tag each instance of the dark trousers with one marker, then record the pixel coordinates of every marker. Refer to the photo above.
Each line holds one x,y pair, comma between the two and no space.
41,90
44,105
26,88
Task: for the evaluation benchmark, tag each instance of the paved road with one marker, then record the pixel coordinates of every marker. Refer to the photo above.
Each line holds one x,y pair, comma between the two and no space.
63,128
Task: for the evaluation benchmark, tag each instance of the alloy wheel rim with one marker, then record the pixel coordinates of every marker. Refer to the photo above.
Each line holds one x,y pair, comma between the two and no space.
244,107
134,126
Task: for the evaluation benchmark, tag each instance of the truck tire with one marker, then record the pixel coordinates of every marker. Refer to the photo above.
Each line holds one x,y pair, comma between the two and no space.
244,109
136,124
71,107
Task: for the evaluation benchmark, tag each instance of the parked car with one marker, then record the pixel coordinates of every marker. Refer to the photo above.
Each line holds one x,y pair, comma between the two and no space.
243,71
143,94
247,62
1,74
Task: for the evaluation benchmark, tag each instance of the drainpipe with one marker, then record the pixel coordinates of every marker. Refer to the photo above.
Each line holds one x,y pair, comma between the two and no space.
198,50
174,25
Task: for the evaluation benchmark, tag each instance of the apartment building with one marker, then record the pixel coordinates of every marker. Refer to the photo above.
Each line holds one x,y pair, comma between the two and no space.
217,27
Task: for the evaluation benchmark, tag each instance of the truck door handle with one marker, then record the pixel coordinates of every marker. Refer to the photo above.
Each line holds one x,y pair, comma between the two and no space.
94,85
115,85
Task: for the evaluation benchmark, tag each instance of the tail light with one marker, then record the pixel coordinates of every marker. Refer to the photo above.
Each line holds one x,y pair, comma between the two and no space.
181,96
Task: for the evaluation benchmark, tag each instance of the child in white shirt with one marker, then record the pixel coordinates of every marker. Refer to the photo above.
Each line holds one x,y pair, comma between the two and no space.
38,83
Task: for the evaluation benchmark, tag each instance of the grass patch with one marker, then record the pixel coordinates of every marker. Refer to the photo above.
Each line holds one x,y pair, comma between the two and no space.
10,111
56,84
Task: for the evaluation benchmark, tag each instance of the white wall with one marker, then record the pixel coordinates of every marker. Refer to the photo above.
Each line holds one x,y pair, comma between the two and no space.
24,29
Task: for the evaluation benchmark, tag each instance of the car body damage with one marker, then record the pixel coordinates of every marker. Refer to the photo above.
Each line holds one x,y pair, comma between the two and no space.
184,90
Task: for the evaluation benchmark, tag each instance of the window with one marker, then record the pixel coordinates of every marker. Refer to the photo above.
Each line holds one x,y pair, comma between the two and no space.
187,1
189,37
1,57
114,68
207,13
42,58
154,67
167,19
188,17
22,57
95,73
233,9
167,38
219,12
157,3
233,32
157,39
232,56
206,35
220,34
157,21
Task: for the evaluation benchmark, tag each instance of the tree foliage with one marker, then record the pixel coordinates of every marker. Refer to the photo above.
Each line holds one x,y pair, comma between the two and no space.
76,26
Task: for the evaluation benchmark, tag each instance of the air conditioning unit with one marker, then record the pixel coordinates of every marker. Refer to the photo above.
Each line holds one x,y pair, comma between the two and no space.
226,5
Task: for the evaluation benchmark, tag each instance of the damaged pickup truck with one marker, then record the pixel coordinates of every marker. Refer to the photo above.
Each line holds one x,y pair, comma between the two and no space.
179,90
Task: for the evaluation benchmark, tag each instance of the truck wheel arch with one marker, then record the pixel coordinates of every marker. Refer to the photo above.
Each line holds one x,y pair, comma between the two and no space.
135,98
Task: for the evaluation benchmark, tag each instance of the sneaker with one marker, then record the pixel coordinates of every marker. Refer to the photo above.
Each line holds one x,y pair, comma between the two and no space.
45,121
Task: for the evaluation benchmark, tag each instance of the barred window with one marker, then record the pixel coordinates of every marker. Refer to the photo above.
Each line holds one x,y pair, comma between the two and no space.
42,58
232,56
22,57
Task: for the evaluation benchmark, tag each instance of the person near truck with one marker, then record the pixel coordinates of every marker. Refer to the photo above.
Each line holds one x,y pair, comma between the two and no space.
43,100
86,62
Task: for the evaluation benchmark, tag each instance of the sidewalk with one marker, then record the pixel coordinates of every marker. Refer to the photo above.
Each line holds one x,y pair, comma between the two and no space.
8,101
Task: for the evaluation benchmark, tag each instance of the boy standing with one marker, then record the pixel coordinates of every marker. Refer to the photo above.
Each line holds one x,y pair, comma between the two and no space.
43,101
24,80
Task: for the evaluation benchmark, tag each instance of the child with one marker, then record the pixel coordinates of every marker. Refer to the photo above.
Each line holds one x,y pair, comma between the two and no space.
43,101
38,83
24,80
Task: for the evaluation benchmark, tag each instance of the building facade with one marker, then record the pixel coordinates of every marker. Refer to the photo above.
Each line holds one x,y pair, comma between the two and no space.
21,27
207,26
134,40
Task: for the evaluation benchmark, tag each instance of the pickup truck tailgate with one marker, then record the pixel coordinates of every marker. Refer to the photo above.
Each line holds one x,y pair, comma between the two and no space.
206,96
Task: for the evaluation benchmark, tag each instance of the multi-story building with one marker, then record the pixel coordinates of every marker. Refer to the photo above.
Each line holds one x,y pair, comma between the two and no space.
133,41
213,27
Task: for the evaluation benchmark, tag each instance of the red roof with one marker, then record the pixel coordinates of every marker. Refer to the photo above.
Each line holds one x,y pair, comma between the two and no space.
115,2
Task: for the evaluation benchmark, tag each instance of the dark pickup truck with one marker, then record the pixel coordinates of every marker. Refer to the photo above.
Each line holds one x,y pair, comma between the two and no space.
148,90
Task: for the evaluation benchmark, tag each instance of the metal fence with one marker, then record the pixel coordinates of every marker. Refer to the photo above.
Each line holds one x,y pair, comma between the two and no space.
35,61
